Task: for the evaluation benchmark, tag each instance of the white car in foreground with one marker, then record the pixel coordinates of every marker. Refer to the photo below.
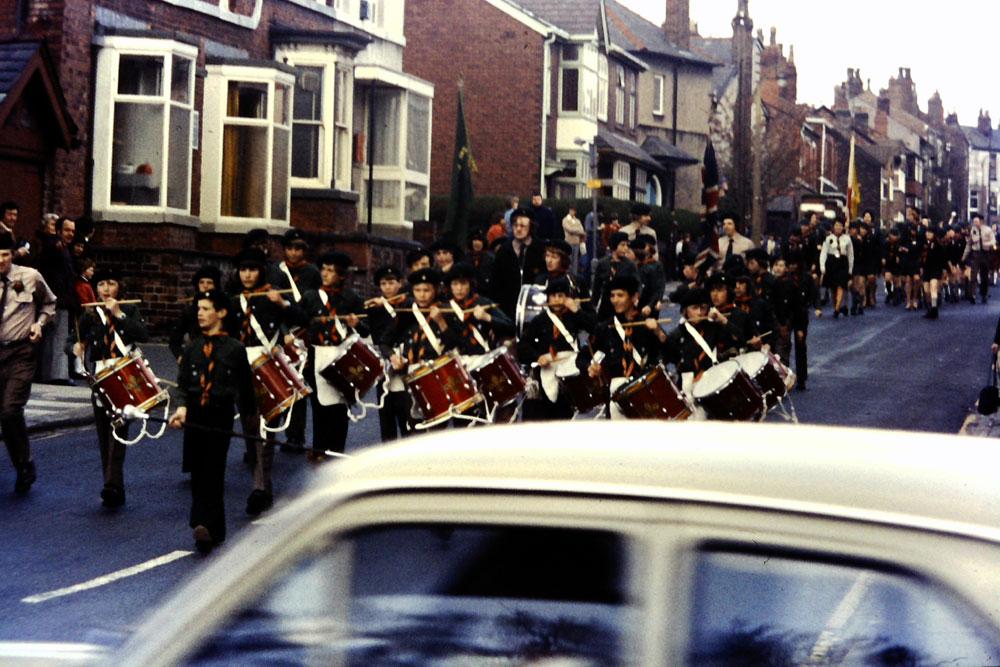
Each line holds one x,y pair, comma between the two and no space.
612,543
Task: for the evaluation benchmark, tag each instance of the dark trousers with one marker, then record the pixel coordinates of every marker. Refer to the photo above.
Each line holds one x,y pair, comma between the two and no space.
112,451
981,271
782,343
329,427
801,354
296,432
18,368
542,409
208,452
263,448
394,417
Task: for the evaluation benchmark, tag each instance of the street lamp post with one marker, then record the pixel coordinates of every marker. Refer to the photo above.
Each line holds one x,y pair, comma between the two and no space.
593,211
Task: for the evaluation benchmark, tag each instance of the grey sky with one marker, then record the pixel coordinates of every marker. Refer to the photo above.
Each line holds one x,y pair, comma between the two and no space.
944,49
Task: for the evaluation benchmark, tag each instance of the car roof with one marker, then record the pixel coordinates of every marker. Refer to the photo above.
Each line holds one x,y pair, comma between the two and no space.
932,481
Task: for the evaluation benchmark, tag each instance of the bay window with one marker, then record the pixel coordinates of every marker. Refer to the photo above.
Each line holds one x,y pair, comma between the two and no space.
143,120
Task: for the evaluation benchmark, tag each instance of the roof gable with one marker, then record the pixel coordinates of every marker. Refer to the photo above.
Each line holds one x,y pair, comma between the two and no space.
27,63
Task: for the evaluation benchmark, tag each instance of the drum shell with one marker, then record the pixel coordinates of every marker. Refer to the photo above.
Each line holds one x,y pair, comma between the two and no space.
275,391
129,381
531,301
585,393
355,372
768,380
442,387
652,396
736,400
499,378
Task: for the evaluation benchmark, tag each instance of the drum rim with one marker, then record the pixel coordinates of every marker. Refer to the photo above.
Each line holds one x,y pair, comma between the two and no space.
476,399
640,380
765,360
111,370
739,369
427,367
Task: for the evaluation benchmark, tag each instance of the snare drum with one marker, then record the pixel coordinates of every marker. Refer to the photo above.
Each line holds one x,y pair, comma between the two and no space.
761,369
128,381
530,302
652,395
498,377
727,393
296,350
585,393
442,388
355,370
276,390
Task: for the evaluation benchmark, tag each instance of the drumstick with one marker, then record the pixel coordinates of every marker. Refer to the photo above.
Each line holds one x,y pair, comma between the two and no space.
642,322
101,303
392,300
761,335
250,295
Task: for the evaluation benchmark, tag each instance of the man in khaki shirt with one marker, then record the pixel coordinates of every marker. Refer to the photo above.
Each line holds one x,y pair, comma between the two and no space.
26,306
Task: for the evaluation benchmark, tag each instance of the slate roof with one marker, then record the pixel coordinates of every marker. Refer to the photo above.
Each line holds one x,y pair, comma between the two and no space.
574,16
14,57
667,152
719,50
23,63
625,147
634,33
979,141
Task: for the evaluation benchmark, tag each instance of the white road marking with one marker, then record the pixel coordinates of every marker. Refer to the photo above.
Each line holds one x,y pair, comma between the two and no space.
63,403
107,578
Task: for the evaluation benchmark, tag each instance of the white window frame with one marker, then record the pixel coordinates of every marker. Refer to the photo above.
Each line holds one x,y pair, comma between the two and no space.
602,87
335,133
621,90
105,98
639,193
575,67
622,181
658,84
632,78
214,120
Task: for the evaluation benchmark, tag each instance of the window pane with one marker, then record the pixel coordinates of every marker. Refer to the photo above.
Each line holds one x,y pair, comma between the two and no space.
571,52
385,202
416,202
308,93
463,595
245,162
386,128
807,612
178,153
305,150
140,75
571,90
137,153
279,181
180,80
247,100
418,134
281,97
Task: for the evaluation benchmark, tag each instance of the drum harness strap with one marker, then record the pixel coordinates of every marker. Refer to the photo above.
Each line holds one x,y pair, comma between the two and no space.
291,281
426,327
628,347
109,325
701,342
341,330
255,325
472,325
561,328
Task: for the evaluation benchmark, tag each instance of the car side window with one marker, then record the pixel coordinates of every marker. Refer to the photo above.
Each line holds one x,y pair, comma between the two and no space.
777,609
442,594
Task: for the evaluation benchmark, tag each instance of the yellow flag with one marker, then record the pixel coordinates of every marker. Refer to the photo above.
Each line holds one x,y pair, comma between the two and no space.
853,187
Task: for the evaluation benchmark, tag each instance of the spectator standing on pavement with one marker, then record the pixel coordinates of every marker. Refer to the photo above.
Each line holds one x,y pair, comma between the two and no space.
27,305
576,237
545,220
9,211
513,202
982,243
517,262
56,266
732,243
641,217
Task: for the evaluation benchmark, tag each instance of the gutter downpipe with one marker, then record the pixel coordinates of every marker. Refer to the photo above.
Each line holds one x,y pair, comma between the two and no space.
546,104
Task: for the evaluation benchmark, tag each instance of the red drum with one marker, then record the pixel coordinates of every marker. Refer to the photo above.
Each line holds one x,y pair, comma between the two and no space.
499,378
129,381
296,350
442,388
761,368
355,370
275,384
727,393
652,395
585,393
786,373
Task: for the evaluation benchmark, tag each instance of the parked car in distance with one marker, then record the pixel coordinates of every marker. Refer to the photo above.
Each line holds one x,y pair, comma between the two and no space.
612,543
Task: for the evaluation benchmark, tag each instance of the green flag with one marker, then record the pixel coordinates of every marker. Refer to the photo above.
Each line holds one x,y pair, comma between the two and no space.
456,226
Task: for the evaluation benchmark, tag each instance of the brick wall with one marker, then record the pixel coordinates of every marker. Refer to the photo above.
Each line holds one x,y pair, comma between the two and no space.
501,62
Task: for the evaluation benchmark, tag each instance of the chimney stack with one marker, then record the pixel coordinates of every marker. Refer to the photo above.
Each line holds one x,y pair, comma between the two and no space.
677,24
985,125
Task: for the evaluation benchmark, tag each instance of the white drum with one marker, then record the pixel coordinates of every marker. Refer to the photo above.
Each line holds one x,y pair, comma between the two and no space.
530,302
727,393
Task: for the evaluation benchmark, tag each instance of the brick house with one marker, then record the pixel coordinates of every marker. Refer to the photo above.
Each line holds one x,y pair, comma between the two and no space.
545,81
198,120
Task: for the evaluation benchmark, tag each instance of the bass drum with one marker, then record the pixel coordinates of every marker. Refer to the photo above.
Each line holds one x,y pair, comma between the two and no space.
530,302
727,393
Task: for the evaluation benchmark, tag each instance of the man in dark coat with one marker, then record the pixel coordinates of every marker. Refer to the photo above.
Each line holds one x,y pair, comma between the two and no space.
517,262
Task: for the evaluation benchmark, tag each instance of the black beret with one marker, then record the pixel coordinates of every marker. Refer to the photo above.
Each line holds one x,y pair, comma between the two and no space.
560,285
387,272
422,276
648,239
696,296
338,259
641,209
626,282
255,236
559,245
447,246
218,298
414,255
758,254
250,257
461,271
293,237
742,278
637,244
207,271
615,239
107,273
719,280
522,213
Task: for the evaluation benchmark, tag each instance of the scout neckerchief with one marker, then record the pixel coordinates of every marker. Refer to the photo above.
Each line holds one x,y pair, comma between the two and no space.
627,346
251,319
426,326
332,313
561,328
701,342
112,332
205,381
291,281
461,315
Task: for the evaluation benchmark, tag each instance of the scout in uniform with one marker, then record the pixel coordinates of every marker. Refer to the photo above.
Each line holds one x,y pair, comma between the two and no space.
394,415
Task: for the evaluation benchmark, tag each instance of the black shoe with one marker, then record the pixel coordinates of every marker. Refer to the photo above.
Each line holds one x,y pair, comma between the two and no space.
250,458
836,314
843,311
25,478
112,496
259,501
801,386
293,447
203,541
854,310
